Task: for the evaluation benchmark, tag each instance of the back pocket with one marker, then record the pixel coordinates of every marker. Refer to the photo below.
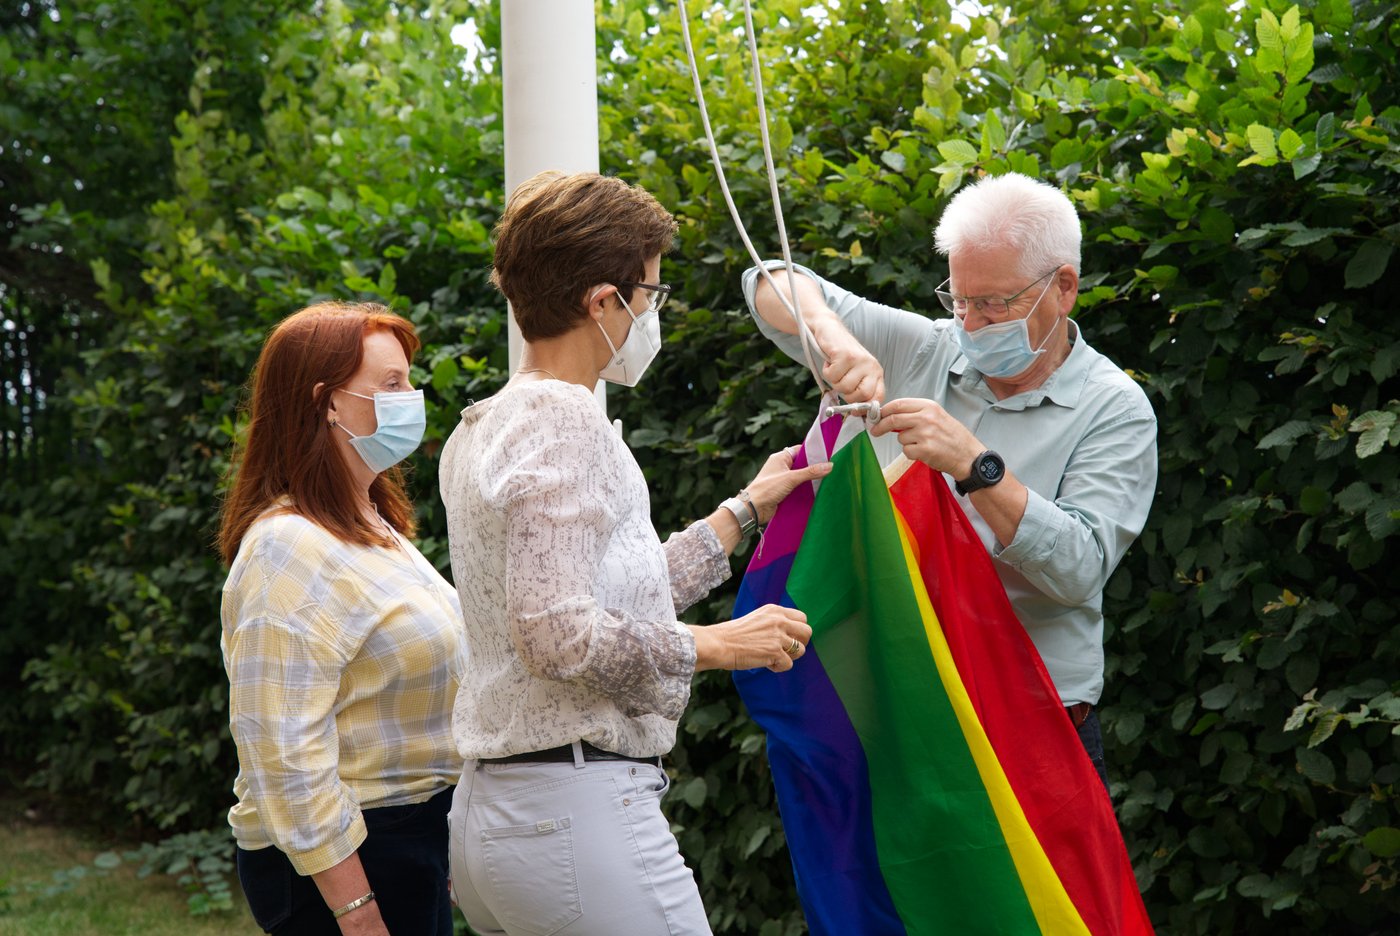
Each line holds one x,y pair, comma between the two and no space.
531,872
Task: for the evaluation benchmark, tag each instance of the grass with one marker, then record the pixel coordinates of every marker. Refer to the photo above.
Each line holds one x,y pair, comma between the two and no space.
114,903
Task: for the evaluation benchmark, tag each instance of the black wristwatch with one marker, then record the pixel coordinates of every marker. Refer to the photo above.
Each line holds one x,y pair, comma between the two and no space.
987,469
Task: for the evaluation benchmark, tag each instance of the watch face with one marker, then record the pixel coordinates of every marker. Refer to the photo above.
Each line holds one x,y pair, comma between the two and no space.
989,468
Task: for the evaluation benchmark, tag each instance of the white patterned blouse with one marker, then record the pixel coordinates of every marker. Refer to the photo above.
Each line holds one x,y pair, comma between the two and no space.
568,596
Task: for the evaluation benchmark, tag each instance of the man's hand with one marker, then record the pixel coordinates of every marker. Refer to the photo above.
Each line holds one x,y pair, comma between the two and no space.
850,369
928,434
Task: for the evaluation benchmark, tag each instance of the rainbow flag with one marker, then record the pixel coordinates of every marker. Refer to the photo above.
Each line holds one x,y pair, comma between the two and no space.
928,777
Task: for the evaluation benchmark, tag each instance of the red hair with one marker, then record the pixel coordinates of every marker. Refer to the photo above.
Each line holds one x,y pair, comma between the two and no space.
287,453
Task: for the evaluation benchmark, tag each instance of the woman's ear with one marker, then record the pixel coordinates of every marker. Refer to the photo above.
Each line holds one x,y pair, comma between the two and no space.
331,416
597,298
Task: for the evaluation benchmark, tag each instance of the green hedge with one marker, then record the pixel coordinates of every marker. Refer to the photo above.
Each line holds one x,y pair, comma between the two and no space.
1236,171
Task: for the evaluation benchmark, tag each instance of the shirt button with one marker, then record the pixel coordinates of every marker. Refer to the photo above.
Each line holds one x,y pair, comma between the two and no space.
634,771
627,802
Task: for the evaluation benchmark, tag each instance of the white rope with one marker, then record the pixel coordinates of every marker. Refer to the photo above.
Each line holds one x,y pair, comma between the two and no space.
810,351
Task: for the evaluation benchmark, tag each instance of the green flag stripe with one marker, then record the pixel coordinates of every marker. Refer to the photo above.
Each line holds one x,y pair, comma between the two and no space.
941,848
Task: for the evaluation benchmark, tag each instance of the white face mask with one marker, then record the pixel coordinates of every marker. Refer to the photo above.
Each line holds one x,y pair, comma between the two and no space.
630,361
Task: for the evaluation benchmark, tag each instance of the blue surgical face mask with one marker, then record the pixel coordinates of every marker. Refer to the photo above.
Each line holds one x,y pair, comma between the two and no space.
1004,349
402,418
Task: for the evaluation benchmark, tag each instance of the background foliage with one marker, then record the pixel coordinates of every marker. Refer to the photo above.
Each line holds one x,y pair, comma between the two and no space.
177,178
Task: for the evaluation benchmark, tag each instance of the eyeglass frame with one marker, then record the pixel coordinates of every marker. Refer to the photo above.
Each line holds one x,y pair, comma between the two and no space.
660,293
949,300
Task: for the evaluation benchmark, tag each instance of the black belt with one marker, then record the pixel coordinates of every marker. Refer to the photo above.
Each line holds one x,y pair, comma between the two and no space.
564,754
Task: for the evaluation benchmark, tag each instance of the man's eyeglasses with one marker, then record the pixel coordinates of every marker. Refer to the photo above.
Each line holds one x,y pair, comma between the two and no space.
660,292
991,307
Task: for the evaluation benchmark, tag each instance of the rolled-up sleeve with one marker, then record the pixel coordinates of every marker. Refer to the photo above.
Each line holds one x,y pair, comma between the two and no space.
894,336
557,528
1068,548
283,685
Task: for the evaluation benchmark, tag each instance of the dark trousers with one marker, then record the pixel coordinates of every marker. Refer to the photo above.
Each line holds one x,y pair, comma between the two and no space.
404,857
1091,736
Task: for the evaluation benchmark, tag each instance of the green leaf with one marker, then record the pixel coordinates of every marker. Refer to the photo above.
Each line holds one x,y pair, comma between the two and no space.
1383,841
1287,434
758,836
1326,129
1316,766
1301,672
1383,519
1368,263
1220,696
1128,727
1306,165
1324,727
993,133
1236,768
1261,140
1266,30
107,860
1289,143
1312,235
445,375
694,792
958,152
895,160
1314,500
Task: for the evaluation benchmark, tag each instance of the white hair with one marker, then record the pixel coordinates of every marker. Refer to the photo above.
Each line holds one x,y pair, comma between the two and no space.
1013,210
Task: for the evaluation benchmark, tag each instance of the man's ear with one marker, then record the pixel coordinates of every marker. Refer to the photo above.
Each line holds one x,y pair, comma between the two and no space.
1068,281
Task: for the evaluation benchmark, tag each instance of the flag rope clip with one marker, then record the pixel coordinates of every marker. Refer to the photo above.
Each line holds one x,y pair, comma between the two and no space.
871,411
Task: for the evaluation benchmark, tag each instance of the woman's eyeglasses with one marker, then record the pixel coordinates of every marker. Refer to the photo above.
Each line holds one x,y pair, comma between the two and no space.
660,292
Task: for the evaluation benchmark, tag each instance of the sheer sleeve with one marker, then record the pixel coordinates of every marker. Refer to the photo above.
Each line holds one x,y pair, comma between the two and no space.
563,495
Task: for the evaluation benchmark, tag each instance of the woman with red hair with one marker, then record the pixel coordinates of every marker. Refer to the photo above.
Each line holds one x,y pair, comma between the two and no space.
343,645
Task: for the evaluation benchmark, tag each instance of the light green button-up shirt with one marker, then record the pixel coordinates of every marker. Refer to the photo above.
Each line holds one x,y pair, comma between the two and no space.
1084,443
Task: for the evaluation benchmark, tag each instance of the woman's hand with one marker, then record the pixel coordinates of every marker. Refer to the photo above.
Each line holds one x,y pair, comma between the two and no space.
777,479
771,636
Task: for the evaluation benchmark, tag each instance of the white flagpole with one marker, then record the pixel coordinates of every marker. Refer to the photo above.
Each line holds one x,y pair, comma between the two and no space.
550,90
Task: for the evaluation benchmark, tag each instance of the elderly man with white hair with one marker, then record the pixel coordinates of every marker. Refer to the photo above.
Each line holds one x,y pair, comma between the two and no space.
1051,448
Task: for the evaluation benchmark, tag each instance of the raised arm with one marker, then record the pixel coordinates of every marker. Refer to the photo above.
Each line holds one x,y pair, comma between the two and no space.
849,367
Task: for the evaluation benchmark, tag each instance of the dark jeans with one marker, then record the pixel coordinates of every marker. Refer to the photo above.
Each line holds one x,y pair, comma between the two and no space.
1091,736
405,859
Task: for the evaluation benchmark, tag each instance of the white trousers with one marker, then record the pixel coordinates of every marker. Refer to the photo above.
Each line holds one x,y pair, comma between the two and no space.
575,850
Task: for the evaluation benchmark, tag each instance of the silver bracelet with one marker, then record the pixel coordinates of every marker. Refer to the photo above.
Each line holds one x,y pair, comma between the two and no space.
743,495
353,905
743,513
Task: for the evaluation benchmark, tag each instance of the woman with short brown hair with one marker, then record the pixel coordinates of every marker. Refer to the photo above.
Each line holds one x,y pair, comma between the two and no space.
578,667
342,643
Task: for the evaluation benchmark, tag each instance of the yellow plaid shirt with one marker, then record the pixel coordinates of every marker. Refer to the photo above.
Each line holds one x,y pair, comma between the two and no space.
343,664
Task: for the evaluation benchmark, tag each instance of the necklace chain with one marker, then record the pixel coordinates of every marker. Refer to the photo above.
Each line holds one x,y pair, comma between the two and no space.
536,370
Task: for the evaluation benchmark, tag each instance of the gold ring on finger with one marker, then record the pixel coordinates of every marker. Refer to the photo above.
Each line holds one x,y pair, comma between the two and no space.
794,648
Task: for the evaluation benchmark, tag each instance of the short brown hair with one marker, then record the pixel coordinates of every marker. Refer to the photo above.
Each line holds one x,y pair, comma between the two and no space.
288,451
563,233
